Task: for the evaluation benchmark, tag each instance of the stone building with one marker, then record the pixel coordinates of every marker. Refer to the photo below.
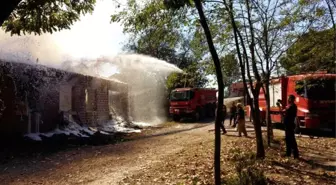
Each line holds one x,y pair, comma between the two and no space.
34,98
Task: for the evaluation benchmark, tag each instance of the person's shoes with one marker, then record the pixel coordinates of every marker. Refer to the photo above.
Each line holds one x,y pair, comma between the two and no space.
224,132
296,156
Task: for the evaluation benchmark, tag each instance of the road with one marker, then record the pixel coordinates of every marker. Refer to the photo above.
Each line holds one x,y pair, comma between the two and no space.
107,164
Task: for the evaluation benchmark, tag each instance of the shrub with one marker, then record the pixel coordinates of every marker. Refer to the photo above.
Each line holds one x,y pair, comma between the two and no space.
247,172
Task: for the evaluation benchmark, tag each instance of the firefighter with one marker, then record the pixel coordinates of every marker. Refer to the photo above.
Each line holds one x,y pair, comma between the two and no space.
289,122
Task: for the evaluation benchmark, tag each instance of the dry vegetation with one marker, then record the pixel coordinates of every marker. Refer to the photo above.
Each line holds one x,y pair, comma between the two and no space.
194,164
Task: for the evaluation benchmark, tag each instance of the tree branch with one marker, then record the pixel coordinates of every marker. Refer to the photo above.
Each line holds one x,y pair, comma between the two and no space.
6,8
252,45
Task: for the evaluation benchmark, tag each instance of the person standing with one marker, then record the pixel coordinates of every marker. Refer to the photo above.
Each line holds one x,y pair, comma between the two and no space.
289,122
241,120
223,119
233,112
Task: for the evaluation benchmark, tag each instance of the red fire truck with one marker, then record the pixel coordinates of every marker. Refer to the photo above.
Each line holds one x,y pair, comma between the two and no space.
315,99
192,102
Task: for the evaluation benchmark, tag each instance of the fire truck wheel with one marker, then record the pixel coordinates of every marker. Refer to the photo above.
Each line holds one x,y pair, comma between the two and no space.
213,111
176,118
202,113
196,116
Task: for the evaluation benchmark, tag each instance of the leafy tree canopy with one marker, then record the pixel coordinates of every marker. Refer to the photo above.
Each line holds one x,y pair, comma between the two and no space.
174,35
194,76
42,16
167,35
313,51
230,68
172,26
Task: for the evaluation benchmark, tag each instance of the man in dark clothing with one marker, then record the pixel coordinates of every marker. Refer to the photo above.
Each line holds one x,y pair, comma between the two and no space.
289,121
241,120
233,112
223,120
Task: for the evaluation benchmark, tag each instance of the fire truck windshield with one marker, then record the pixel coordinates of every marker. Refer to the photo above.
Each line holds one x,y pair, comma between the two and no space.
316,89
181,95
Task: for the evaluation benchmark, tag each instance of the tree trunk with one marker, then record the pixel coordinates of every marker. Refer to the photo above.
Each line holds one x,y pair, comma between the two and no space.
253,101
268,114
334,26
219,75
6,8
257,128
256,90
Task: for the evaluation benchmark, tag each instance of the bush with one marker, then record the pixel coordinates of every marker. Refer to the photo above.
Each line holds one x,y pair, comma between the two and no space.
247,172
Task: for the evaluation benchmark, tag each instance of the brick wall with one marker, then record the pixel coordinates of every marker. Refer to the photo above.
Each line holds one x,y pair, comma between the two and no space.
102,104
91,100
78,102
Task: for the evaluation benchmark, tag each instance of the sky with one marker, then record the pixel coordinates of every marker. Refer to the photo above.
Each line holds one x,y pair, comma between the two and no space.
94,35
91,37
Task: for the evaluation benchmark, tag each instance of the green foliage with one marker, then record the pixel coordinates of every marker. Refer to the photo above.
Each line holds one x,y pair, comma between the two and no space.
150,43
173,26
230,69
310,83
177,4
36,16
154,30
247,171
167,34
153,18
313,51
193,77
299,87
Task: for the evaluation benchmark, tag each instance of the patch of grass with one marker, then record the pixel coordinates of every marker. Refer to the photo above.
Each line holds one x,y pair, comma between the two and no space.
168,124
276,140
247,171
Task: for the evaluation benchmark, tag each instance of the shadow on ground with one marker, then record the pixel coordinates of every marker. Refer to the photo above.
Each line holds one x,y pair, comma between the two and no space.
290,170
190,121
309,132
317,159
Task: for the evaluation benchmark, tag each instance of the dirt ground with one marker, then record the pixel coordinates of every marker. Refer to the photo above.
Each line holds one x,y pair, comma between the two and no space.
175,154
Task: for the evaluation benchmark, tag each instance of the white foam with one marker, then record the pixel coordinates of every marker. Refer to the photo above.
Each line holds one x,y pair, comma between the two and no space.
34,136
141,124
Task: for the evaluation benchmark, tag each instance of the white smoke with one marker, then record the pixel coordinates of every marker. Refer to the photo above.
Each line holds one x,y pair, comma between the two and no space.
30,49
145,77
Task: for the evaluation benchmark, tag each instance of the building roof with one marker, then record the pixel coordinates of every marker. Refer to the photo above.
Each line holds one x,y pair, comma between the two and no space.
40,67
189,88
